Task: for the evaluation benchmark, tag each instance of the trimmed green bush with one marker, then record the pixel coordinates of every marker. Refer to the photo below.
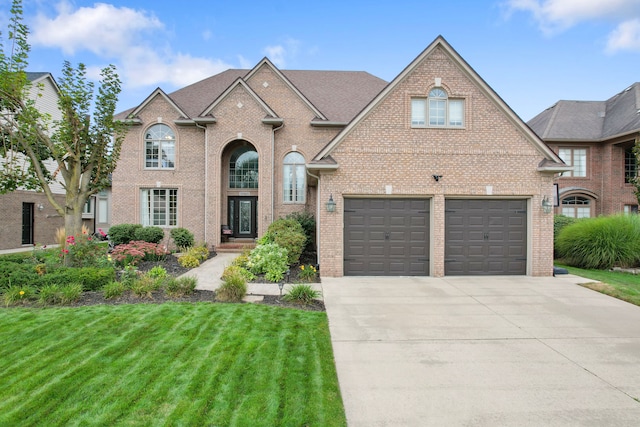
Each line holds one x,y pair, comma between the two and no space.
601,243
189,261
91,278
268,258
149,234
288,234
182,237
232,270
122,234
308,223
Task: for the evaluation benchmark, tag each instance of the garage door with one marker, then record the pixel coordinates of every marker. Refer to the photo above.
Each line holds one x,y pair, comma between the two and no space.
386,237
485,237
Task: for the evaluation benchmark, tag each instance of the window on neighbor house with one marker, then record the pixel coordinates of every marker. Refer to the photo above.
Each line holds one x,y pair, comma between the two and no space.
160,147
293,178
630,209
576,207
243,168
630,165
438,110
159,207
576,157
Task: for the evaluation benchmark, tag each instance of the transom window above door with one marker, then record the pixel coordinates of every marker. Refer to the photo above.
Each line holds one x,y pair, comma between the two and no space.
160,147
437,110
243,168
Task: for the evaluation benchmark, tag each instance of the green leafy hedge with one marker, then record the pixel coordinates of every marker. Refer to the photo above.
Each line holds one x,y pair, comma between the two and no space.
91,278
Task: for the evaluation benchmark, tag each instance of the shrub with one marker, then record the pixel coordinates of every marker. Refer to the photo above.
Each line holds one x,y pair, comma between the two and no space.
308,223
83,251
181,286
122,234
200,252
12,273
129,275
49,295
232,270
149,234
144,286
113,289
307,273
232,289
601,243
182,237
301,294
157,272
18,294
561,221
288,234
91,278
268,257
134,252
189,261
71,292
242,260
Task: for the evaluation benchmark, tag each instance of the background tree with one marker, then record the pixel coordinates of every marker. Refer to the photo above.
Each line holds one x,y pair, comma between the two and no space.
84,145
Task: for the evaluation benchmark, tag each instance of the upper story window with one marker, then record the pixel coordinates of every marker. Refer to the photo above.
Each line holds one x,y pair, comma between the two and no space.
438,110
576,157
243,168
293,178
630,165
160,147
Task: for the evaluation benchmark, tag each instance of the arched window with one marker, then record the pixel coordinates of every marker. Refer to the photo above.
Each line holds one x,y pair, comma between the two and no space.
160,147
438,110
243,168
293,178
576,207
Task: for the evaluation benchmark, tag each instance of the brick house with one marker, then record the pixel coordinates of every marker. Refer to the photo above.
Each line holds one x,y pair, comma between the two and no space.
597,138
430,174
26,216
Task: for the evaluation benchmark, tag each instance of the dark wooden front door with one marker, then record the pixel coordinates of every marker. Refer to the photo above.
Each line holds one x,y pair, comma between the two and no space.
27,223
243,216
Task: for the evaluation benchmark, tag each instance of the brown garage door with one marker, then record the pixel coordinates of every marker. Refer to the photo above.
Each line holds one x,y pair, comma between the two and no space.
386,237
485,237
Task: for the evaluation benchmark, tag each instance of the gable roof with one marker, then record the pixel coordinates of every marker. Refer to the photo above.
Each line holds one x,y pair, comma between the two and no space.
553,159
590,120
158,92
338,95
37,77
240,83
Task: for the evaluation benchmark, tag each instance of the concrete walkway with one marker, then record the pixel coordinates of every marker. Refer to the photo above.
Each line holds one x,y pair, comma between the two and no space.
494,351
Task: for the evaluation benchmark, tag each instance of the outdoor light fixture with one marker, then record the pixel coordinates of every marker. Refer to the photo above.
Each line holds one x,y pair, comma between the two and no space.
40,207
288,275
280,285
437,177
331,205
546,205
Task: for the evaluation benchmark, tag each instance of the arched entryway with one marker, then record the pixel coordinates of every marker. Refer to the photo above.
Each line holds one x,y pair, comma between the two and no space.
240,180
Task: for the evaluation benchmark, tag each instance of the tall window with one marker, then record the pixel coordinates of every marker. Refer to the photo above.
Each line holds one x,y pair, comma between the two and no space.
293,178
243,168
160,147
438,110
630,166
159,207
576,157
576,207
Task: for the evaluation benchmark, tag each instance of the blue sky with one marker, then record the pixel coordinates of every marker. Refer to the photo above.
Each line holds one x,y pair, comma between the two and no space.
531,52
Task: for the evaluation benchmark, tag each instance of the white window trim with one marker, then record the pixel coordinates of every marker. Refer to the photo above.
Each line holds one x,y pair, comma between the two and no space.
297,198
160,143
571,161
425,121
146,212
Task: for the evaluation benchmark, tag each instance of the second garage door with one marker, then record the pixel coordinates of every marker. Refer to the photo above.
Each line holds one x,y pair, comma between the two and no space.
485,237
386,237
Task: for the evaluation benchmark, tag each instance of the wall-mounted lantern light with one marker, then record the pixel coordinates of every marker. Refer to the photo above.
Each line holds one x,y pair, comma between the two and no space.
40,207
546,205
331,205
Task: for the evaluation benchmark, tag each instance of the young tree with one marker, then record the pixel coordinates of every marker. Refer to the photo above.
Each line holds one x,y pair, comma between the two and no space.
635,180
84,145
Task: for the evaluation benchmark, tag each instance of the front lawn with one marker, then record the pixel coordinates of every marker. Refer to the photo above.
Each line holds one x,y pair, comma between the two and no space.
167,364
621,285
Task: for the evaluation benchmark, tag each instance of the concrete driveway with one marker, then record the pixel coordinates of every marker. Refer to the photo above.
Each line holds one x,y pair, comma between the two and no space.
494,351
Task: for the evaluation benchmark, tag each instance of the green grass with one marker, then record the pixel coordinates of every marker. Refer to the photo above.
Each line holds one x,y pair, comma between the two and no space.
167,364
621,285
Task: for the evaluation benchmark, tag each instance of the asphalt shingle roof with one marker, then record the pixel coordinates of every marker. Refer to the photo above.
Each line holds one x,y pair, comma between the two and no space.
590,120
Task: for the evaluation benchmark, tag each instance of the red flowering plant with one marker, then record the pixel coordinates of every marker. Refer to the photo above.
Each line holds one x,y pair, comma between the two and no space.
137,250
83,251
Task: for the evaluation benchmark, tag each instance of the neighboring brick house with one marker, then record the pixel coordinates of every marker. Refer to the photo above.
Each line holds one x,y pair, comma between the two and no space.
597,138
26,217
431,174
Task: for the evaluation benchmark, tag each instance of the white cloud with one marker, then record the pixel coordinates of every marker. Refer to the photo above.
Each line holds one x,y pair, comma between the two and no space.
554,16
279,54
134,39
625,37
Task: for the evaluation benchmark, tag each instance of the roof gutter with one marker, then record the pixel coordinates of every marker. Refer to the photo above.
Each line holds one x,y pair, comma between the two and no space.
328,124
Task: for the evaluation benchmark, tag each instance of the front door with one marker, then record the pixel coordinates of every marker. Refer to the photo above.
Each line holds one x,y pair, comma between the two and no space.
243,216
27,223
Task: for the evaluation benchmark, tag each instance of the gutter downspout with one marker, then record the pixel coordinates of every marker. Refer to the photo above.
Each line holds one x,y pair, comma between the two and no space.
206,178
273,168
318,217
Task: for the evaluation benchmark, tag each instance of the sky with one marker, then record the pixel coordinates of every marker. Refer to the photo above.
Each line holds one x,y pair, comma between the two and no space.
531,52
